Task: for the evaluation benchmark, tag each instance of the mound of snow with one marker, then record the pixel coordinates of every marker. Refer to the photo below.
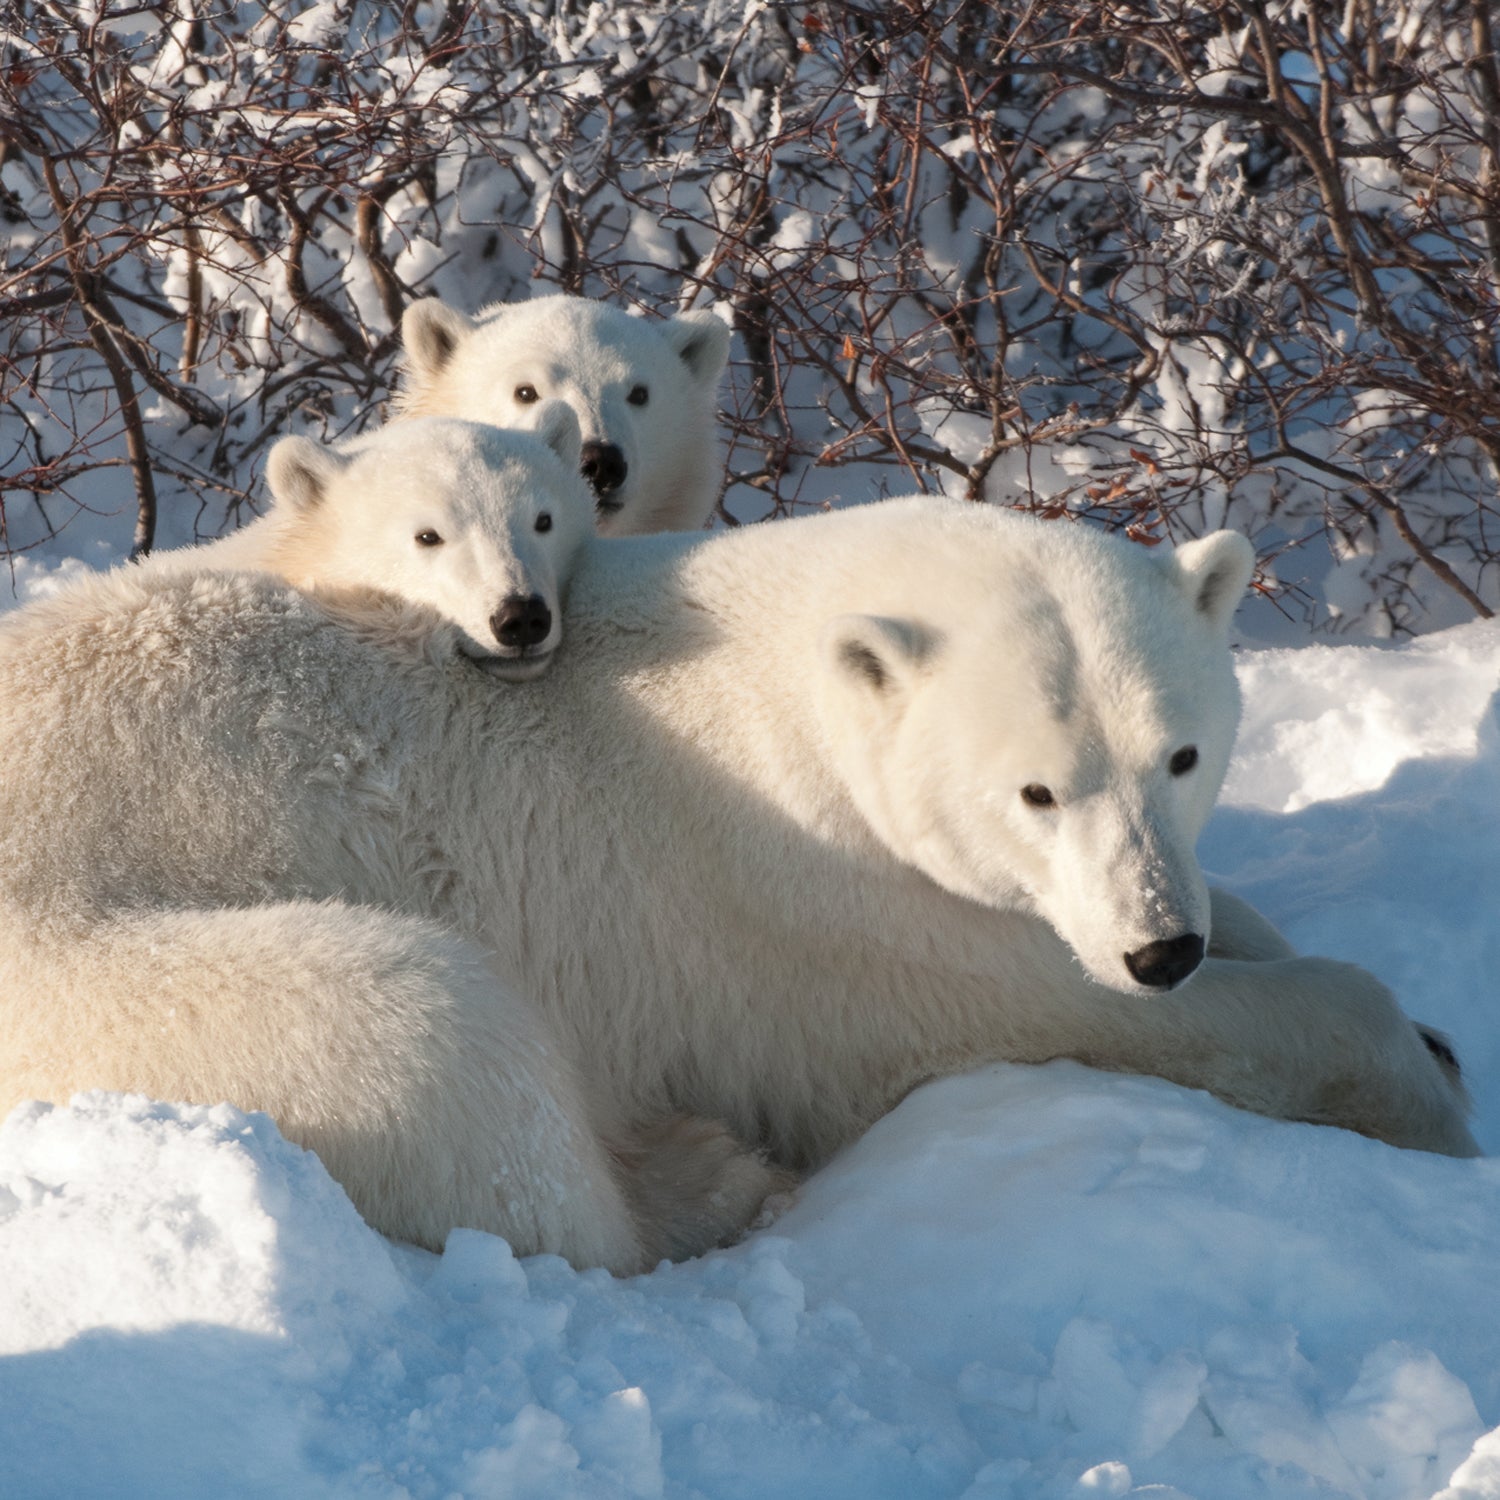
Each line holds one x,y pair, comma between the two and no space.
172,1280
206,1242
1301,743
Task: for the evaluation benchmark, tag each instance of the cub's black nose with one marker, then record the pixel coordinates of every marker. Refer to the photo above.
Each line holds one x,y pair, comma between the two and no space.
604,466
1166,963
522,620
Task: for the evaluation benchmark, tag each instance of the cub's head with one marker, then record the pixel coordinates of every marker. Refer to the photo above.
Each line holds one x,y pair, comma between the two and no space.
1048,729
478,524
643,390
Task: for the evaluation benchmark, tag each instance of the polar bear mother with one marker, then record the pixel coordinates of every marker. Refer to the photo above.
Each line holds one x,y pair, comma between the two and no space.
803,816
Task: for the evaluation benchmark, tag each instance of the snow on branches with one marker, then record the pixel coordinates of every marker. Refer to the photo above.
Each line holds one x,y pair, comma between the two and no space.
1160,265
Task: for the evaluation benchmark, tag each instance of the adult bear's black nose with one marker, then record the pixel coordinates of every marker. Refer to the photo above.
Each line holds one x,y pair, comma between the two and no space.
522,620
1167,962
604,467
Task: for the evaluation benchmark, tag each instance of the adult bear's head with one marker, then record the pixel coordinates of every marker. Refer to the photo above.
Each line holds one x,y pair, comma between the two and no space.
1046,726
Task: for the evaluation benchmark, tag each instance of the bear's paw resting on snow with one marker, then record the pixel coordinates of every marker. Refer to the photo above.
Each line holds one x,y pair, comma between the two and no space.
805,815
644,390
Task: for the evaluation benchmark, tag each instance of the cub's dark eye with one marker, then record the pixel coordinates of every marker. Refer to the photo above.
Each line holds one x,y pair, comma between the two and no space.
638,396
544,521
1184,761
1036,795
526,394
429,539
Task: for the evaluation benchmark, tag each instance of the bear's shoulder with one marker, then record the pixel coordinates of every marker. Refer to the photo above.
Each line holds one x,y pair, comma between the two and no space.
222,630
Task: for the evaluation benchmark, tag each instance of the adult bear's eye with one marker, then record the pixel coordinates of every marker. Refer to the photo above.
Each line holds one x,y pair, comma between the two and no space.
429,538
526,394
1184,761
638,396
1036,795
544,521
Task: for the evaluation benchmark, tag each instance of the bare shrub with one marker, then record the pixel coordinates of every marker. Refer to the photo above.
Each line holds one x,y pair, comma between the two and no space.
1156,265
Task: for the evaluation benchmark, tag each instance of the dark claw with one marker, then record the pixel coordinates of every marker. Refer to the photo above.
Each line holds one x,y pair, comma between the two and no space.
1437,1044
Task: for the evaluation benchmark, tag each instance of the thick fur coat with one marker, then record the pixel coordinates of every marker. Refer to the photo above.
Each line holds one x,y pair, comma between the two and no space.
766,847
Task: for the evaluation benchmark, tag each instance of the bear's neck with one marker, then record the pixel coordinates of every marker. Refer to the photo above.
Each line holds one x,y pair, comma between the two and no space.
703,818
711,653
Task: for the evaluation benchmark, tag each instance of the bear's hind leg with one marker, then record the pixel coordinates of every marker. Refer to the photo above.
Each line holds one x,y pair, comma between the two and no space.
381,1042
692,1185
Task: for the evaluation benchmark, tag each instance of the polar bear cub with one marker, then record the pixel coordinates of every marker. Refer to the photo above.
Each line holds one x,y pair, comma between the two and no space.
480,525
644,390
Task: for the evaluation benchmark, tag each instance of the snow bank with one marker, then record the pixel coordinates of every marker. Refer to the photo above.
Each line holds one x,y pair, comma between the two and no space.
174,1283
1025,1283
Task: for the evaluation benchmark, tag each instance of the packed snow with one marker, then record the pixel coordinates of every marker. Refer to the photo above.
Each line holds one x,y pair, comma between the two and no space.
1023,1284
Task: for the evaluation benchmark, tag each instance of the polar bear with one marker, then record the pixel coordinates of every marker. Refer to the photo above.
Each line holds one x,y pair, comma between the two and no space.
644,390
480,525
806,814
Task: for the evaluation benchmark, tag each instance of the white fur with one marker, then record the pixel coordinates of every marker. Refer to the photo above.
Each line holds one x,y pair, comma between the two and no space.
602,362
933,752
509,510
735,874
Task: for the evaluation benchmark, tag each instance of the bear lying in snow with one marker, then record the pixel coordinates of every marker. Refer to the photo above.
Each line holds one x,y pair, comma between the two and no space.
478,524
644,390
803,815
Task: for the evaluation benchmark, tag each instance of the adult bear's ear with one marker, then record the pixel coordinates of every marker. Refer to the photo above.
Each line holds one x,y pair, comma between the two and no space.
431,332
878,657
557,426
701,340
299,472
1216,570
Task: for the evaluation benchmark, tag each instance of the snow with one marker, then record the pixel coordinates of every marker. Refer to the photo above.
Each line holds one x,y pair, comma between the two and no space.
1023,1284
1300,744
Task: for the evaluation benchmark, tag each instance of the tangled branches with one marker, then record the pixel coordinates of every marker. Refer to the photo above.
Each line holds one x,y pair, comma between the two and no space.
1157,265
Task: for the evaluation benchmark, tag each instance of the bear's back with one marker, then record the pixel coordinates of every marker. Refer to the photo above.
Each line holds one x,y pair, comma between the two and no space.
174,738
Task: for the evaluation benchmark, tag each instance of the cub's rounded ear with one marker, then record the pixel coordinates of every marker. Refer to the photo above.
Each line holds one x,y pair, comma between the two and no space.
431,332
701,340
1215,571
876,655
557,426
299,472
